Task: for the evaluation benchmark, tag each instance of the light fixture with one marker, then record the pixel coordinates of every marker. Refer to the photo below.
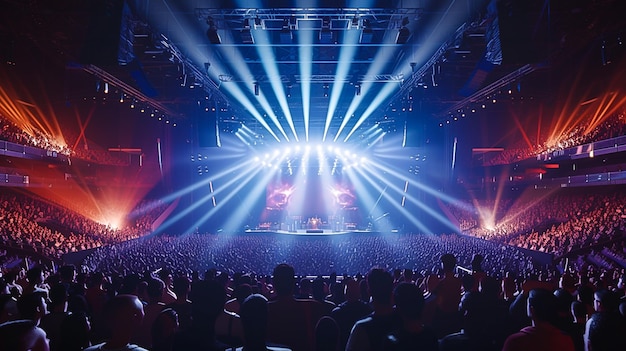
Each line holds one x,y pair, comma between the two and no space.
367,34
355,22
246,33
286,37
211,33
326,36
403,35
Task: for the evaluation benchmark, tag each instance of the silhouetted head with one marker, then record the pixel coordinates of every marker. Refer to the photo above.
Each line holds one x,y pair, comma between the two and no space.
448,262
477,261
409,301
22,335
207,301
380,285
283,279
181,286
542,305
604,331
326,334
253,314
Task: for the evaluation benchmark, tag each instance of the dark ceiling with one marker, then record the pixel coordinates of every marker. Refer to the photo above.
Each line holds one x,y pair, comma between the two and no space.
345,66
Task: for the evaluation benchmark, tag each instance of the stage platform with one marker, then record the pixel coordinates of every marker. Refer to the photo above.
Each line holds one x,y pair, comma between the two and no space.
309,232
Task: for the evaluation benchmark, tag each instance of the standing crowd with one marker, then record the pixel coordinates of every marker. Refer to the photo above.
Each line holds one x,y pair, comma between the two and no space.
400,309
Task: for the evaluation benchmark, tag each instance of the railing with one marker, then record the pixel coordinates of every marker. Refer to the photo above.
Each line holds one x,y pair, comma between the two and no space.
22,151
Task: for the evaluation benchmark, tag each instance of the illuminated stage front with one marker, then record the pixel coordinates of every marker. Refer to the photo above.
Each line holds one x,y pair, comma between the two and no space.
311,203
312,232
329,188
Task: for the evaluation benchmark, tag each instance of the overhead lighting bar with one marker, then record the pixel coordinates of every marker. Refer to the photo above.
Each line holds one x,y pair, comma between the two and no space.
493,87
129,90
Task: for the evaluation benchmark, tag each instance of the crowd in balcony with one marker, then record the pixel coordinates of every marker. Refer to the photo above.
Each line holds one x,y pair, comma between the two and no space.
582,133
566,223
86,150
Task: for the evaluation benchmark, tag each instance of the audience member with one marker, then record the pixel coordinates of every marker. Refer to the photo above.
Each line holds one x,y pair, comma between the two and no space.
152,308
164,329
51,322
254,318
350,311
291,321
542,334
22,335
371,332
123,315
605,332
75,332
412,334
182,306
207,302
579,314
446,318
327,335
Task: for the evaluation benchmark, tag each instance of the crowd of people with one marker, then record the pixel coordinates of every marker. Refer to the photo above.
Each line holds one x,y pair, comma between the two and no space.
90,152
29,223
345,254
580,134
381,309
562,223
12,133
478,289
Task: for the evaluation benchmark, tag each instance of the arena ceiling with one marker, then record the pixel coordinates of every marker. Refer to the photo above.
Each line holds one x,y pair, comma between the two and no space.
315,70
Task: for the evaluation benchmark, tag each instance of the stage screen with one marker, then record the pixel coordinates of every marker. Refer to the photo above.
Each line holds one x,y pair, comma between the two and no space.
324,198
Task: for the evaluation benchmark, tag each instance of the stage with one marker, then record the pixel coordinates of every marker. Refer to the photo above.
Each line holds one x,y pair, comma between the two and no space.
310,232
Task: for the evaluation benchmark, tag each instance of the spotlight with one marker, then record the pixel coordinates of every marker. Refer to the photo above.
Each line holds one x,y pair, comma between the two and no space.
367,34
285,35
357,89
246,34
355,22
256,88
